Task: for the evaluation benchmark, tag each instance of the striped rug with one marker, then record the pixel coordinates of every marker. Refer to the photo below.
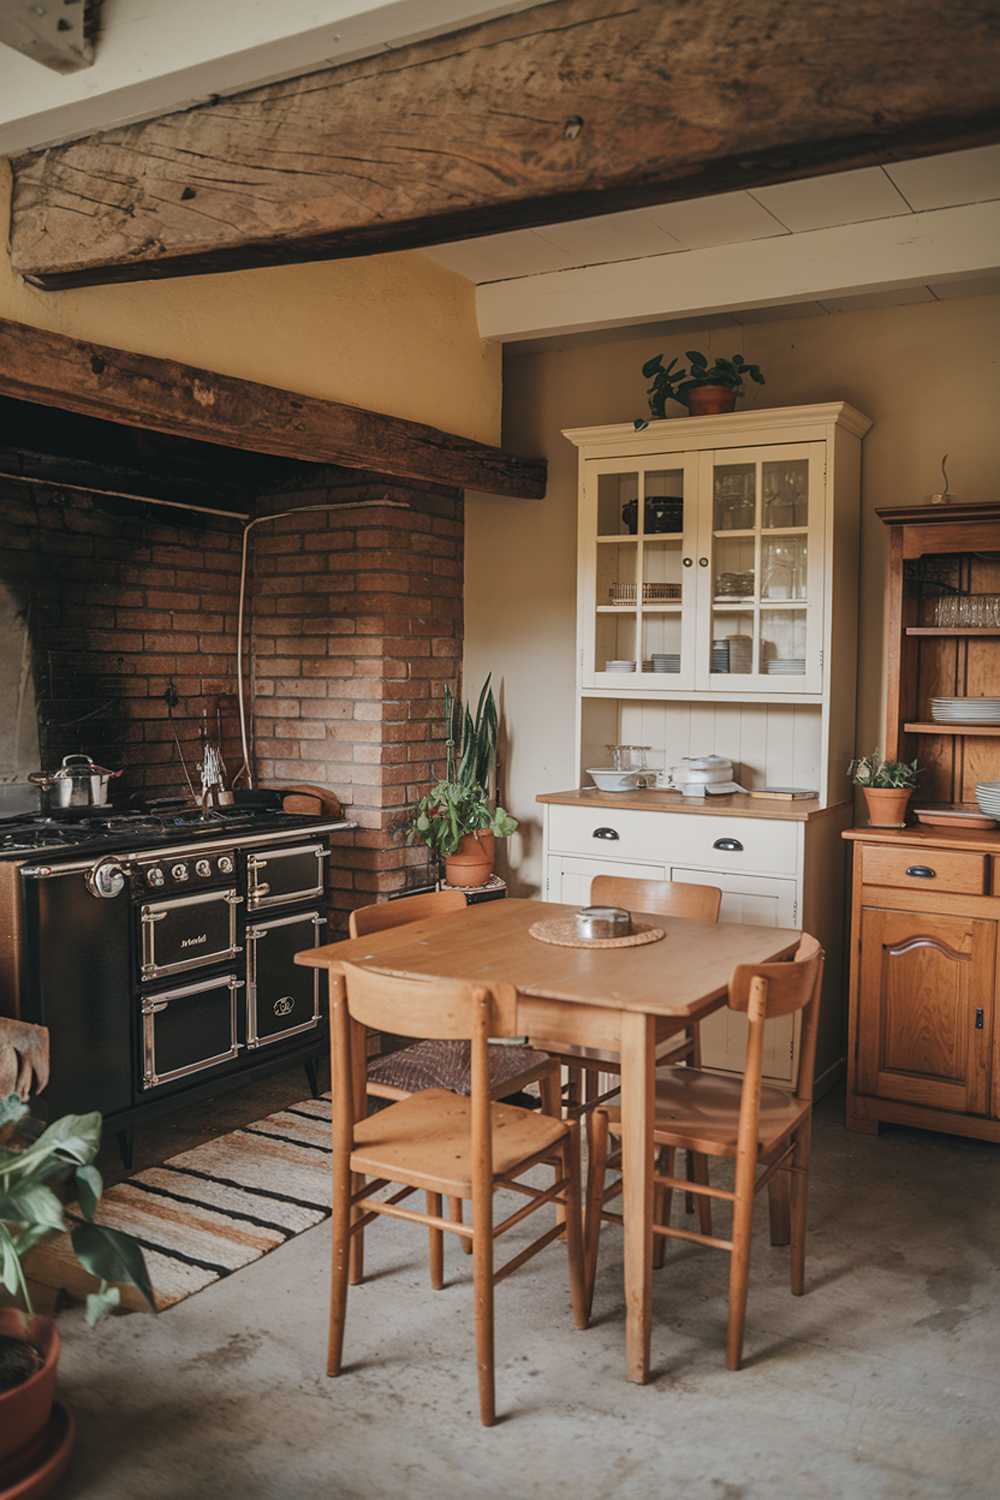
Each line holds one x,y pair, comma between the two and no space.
209,1212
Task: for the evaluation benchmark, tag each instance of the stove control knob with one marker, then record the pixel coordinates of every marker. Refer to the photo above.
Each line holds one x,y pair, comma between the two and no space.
226,864
179,872
154,875
203,868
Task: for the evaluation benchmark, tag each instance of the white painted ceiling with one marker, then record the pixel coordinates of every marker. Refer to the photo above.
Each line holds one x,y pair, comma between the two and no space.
513,267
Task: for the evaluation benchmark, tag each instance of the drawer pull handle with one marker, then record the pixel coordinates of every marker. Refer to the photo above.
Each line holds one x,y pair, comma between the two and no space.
921,872
731,846
605,833
980,1020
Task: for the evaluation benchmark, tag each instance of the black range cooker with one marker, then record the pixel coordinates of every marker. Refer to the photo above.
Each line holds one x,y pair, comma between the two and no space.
159,951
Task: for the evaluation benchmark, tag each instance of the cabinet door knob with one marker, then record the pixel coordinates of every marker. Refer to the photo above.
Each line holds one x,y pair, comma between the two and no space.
605,833
921,872
731,846
687,561
703,562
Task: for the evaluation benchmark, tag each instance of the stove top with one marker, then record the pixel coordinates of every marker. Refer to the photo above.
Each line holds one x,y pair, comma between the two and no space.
102,831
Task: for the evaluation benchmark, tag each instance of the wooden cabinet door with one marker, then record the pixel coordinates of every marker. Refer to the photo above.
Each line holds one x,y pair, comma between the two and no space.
926,1009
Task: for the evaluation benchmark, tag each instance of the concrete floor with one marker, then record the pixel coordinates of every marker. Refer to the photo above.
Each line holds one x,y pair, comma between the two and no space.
883,1381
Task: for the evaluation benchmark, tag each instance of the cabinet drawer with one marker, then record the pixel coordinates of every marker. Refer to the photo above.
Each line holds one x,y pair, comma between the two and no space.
755,845
956,870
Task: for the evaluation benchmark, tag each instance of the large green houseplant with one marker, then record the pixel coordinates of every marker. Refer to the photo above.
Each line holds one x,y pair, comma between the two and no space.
31,1168
456,819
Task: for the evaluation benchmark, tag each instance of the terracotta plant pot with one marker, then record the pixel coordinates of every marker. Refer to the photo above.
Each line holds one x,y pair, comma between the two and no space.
472,862
887,805
710,400
25,1408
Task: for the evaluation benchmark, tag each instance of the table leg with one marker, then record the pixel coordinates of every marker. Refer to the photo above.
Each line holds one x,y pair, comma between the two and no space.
638,1054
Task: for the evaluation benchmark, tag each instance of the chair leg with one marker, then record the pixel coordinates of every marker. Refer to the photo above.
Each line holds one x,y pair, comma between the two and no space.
340,1264
436,1240
698,1165
799,1205
662,1200
356,1254
739,1277
456,1217
482,1267
570,1158
575,1078
779,1209
550,1089
595,1195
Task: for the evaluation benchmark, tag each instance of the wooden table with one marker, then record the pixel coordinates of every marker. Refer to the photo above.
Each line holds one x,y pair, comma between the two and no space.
608,998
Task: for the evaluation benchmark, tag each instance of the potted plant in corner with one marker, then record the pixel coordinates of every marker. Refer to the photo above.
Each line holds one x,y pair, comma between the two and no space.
705,389
31,1211
888,786
456,819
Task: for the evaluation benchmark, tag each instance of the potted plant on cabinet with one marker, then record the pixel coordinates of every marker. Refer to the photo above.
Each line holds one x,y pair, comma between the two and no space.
31,1211
888,786
704,389
456,819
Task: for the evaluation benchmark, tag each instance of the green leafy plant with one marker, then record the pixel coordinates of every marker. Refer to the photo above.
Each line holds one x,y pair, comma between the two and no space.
452,809
476,742
886,775
674,383
31,1211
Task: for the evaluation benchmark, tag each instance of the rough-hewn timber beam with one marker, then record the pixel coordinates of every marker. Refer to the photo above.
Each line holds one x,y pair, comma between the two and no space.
570,108
187,402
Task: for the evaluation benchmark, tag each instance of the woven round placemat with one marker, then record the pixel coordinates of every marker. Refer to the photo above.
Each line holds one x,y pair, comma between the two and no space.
562,933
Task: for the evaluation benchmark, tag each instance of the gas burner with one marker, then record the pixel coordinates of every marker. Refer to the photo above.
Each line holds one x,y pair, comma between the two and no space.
132,823
27,837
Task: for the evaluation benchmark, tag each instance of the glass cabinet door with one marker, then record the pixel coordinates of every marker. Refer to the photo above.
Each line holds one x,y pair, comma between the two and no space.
638,575
760,565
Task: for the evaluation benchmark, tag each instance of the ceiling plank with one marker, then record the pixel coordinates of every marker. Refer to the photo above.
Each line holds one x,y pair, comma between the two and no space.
567,109
165,396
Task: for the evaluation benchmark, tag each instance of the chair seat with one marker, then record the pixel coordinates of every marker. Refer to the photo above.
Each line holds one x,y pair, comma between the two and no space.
702,1111
604,1061
425,1141
448,1065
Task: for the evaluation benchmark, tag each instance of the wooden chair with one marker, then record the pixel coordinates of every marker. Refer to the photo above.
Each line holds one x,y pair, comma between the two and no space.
712,1115
665,898
444,1145
435,1064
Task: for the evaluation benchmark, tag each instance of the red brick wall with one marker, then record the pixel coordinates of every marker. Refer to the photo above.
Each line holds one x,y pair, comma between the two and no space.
123,600
357,627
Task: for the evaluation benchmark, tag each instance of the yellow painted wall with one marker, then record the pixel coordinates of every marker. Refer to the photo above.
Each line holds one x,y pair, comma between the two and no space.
394,333
927,374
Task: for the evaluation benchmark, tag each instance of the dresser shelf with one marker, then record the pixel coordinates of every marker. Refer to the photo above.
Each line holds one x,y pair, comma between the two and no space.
956,632
976,729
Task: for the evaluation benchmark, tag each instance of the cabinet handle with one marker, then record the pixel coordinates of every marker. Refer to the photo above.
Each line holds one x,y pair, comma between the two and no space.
703,562
731,846
980,1020
921,872
687,561
605,833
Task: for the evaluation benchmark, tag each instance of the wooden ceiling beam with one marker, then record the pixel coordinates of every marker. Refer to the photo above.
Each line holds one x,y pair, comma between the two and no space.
563,110
165,396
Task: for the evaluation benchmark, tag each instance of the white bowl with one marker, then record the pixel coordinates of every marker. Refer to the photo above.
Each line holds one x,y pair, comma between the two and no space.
607,780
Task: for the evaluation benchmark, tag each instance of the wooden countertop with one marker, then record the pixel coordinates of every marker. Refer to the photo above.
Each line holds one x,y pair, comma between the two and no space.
920,835
736,805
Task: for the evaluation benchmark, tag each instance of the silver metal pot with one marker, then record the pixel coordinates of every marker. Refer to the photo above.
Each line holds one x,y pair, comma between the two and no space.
77,783
603,922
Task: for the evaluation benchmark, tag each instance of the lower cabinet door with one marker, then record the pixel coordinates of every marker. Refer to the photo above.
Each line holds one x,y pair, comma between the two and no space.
189,1028
758,901
925,1009
569,879
283,999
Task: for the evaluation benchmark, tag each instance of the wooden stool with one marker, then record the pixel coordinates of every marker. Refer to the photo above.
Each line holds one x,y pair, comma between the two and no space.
444,1145
710,1115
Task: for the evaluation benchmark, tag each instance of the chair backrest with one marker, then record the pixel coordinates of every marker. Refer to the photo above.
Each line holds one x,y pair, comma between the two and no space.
766,991
384,914
661,898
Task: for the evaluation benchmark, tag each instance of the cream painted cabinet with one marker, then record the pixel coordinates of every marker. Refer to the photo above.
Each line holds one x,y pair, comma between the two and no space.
569,879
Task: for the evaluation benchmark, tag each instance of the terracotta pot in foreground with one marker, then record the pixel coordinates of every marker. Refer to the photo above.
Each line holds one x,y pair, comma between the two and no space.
887,805
25,1409
710,400
473,860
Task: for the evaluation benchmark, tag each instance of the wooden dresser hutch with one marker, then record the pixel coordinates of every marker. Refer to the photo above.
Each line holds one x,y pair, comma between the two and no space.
924,1044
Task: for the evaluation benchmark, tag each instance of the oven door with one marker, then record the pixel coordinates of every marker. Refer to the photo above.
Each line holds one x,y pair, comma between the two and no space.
283,999
187,932
277,877
189,1029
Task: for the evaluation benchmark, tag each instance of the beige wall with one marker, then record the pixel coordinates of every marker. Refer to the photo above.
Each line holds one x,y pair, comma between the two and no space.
395,333
927,374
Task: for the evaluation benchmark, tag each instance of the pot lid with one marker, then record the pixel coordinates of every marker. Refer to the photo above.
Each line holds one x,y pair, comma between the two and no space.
74,766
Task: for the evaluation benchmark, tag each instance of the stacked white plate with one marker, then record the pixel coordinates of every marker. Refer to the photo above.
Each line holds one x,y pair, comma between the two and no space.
965,710
619,666
787,666
988,797
666,661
